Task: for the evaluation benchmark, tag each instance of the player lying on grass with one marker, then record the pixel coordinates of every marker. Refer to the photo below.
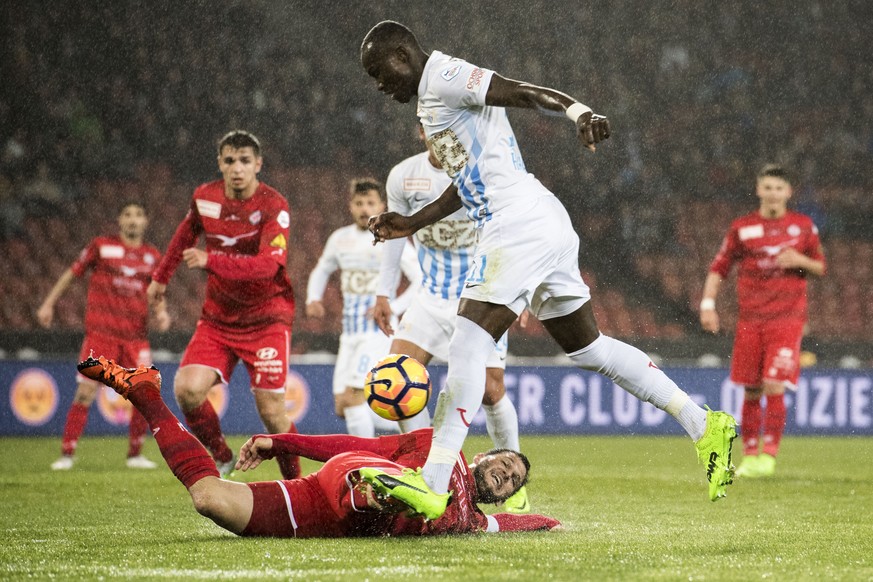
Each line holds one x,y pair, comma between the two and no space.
334,501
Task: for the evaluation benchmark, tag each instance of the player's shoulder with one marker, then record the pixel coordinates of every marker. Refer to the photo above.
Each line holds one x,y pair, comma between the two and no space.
410,164
209,190
747,219
267,191
799,218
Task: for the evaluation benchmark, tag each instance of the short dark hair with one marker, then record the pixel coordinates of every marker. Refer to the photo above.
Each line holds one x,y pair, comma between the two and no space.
524,460
774,171
364,185
127,203
390,31
238,139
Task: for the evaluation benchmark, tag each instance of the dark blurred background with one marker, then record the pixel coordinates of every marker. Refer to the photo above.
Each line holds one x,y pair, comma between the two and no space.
103,102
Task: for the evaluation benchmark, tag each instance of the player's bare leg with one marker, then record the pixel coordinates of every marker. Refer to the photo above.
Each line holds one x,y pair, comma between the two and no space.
271,408
628,367
191,387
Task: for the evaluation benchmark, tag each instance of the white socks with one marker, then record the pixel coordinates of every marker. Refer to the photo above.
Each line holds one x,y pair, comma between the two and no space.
359,420
502,422
634,371
420,420
469,349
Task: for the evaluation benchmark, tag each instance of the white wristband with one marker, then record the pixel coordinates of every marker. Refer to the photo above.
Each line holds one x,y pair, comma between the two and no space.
576,110
707,304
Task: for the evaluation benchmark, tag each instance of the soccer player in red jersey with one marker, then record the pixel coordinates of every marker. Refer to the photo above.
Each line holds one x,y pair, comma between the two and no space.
334,501
776,250
249,304
116,320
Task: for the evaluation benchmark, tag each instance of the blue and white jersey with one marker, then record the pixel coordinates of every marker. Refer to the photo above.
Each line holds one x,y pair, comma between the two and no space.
445,248
351,250
474,142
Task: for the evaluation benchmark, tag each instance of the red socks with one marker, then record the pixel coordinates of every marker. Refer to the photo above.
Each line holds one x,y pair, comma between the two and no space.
774,423
750,426
136,433
205,425
184,454
77,418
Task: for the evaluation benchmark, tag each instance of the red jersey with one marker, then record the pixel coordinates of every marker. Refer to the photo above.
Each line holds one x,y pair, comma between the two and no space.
766,291
247,240
117,304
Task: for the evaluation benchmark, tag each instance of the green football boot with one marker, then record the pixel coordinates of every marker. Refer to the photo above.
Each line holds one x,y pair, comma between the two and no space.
517,502
766,465
410,488
714,451
749,467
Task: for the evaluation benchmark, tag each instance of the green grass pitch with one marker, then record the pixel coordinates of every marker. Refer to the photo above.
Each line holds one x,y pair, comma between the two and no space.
634,508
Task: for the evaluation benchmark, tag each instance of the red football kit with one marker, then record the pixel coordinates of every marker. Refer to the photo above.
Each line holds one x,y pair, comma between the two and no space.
772,300
327,503
117,312
249,305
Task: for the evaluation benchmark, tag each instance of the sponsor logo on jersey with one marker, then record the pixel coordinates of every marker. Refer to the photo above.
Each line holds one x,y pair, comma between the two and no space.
111,252
416,184
255,217
229,241
284,219
451,72
267,353
749,232
359,282
475,79
279,241
208,209
33,397
448,235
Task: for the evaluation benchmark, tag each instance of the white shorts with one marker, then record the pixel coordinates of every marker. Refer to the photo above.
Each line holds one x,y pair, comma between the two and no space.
528,254
357,354
429,323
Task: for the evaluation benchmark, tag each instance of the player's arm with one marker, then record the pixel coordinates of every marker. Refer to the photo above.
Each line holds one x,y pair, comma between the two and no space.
590,127
327,265
708,315
46,312
791,258
389,225
728,253
272,251
185,237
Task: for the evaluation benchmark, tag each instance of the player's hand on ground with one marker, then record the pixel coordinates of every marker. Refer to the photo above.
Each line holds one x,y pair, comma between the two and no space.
256,449
592,129
709,320
791,258
157,293
315,309
382,315
45,314
195,258
389,225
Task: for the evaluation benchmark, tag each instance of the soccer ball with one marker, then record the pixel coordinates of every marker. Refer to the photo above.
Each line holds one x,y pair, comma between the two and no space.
398,387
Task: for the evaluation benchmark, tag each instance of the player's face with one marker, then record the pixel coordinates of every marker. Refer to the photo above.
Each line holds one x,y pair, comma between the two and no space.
498,476
240,168
364,205
392,71
132,221
773,191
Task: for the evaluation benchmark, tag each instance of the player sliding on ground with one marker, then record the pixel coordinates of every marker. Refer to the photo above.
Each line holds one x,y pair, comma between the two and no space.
527,255
334,501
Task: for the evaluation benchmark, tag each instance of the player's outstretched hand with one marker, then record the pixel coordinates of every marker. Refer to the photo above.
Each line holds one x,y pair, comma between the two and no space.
382,315
592,129
389,225
256,449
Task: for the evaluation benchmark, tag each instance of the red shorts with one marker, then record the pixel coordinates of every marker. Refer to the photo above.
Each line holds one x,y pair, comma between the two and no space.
263,350
128,353
766,351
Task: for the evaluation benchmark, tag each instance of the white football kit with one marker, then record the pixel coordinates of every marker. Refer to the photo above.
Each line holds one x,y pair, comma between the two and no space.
362,344
445,250
528,250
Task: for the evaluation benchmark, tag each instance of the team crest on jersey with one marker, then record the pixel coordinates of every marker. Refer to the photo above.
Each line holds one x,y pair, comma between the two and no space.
208,209
793,230
284,219
255,217
451,72
749,232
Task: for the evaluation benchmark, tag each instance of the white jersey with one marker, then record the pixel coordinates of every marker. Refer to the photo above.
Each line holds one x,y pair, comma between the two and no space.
351,250
474,142
445,248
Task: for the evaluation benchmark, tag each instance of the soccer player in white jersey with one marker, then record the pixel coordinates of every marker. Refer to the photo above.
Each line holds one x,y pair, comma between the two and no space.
527,254
350,249
445,249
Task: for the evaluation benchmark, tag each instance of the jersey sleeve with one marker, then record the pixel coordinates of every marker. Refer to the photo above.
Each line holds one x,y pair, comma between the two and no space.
394,192
185,237
86,260
813,248
728,253
272,249
323,447
505,522
461,85
327,263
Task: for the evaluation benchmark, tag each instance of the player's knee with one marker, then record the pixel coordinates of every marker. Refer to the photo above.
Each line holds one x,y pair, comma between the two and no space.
86,392
206,503
753,392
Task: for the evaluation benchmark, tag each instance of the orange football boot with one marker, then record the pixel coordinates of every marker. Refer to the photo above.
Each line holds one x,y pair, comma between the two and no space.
122,380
